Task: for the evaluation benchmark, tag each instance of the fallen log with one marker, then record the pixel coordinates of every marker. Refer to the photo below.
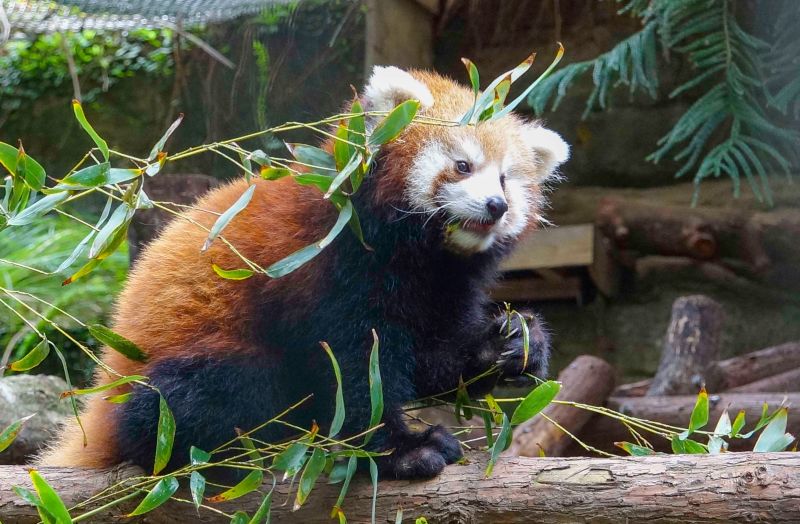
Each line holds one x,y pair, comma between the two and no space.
780,383
691,348
602,431
737,371
731,487
587,380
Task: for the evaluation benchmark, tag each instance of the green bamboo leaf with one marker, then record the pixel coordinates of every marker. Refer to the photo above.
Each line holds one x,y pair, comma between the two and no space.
164,437
291,460
699,417
262,514
514,103
33,358
119,399
160,493
308,478
240,517
37,209
312,156
526,339
716,445
394,123
260,158
475,80
375,387
373,475
50,499
197,486
344,174
634,450
462,403
29,170
274,173
502,442
159,147
339,413
494,406
12,431
101,144
535,401
225,218
342,150
103,387
106,237
197,456
322,182
723,426
356,127
232,274
774,436
486,99
83,271
117,342
738,424
303,255
351,469
33,172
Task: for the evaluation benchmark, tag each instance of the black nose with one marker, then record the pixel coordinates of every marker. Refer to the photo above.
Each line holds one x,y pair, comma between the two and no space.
497,207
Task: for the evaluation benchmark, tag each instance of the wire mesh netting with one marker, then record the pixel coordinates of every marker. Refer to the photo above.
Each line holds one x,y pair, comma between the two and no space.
39,16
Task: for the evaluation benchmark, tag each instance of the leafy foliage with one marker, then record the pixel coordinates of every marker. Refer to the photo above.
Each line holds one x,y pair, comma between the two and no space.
31,67
745,83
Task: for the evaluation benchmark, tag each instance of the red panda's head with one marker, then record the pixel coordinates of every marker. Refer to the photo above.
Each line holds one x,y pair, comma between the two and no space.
481,184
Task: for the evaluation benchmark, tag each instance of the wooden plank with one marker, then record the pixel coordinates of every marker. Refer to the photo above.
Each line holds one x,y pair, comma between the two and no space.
523,289
551,248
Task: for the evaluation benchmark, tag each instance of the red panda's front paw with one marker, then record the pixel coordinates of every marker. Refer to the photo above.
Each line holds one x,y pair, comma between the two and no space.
513,363
421,455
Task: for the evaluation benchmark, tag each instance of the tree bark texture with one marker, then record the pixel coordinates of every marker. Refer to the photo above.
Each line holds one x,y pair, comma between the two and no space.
781,383
588,380
731,487
737,371
691,348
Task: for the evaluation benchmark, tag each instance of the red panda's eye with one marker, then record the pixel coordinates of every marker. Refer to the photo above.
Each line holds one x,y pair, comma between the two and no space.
463,167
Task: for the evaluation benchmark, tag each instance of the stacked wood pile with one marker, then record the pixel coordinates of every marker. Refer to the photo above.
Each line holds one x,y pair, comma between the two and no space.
690,360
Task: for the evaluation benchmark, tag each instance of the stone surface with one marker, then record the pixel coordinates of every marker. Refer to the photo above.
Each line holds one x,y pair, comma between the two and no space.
23,395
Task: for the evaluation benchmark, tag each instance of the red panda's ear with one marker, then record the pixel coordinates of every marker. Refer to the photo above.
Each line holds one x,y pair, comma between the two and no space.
551,149
389,86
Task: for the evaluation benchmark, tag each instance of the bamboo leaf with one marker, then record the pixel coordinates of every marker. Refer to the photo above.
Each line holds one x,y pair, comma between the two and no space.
240,517
344,174
303,255
699,417
33,358
37,209
774,436
117,342
634,450
312,156
339,413
33,170
394,123
164,437
50,499
474,79
274,173
311,472
291,460
738,424
101,144
197,486
103,387
375,387
351,469
535,401
262,514
159,147
119,399
197,456
373,475
12,431
502,442
232,274
226,217
514,103
157,496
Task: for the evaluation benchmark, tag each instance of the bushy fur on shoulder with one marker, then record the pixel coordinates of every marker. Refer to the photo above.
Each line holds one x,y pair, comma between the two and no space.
440,209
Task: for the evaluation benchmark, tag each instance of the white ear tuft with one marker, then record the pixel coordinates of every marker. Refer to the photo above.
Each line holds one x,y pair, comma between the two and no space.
389,86
548,143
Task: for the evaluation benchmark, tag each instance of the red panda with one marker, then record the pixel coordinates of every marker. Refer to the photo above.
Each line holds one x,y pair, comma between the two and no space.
440,208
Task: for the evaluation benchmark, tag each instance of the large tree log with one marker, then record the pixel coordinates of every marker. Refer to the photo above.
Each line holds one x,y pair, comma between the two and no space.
587,380
602,431
691,348
737,371
780,383
732,487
